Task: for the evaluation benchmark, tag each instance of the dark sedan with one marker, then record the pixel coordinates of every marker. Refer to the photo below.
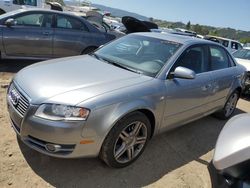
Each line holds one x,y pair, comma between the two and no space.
44,34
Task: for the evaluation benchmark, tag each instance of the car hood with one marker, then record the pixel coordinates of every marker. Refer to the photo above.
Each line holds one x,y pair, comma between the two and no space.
244,62
73,80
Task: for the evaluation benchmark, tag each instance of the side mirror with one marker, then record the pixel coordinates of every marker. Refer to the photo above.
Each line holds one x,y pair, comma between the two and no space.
10,22
182,72
232,151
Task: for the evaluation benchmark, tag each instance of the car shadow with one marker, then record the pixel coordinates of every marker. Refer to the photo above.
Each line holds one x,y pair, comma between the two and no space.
164,153
13,66
246,97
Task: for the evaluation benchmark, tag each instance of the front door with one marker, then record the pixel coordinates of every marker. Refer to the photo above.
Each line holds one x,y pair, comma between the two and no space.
30,36
188,99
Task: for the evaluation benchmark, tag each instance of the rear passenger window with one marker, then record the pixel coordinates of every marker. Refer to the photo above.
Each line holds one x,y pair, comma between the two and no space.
66,22
219,58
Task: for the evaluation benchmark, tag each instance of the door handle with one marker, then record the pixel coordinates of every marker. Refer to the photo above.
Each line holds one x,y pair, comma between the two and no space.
47,33
206,87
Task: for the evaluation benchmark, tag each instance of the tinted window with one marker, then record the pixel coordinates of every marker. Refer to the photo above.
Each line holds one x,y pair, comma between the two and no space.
219,58
66,22
234,45
194,59
25,2
38,20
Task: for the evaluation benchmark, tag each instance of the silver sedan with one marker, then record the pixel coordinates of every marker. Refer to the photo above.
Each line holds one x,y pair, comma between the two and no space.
111,102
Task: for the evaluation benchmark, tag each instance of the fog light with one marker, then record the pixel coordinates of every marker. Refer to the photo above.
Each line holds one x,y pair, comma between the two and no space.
52,147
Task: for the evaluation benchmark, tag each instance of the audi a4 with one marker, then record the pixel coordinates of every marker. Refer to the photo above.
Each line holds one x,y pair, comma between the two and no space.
111,102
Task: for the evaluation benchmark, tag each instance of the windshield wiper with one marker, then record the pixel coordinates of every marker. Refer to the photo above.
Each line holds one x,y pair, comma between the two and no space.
122,66
115,63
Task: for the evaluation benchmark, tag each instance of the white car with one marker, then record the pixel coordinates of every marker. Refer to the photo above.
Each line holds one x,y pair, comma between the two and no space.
231,45
243,58
10,5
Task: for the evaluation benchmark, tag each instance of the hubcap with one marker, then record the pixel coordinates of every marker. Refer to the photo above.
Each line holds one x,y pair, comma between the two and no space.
231,105
130,142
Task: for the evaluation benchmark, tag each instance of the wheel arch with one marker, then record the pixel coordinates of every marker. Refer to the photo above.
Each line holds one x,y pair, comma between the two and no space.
126,109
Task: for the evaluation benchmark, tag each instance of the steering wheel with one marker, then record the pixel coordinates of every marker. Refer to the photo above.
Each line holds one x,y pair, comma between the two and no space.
159,62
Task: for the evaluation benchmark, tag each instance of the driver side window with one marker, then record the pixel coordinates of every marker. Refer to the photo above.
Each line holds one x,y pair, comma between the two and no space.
34,20
193,58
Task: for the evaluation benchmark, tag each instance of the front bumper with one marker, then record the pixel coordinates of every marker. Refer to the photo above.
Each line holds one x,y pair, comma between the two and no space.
37,133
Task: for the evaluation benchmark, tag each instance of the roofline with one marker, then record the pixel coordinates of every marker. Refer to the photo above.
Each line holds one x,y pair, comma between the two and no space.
221,38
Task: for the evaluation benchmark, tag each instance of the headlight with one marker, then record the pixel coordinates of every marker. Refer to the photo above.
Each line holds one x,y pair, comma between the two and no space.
59,112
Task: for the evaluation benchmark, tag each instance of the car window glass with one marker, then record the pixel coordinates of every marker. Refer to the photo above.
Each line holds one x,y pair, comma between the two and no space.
39,20
224,42
31,20
66,22
131,46
194,59
242,54
234,45
219,58
25,2
144,54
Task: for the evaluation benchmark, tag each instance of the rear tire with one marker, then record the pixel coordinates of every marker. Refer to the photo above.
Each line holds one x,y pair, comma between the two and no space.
126,141
229,107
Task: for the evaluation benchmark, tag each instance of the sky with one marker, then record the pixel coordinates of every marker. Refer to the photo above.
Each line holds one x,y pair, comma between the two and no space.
218,13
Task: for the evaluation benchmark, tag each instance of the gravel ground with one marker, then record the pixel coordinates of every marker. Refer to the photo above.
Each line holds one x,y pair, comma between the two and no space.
177,159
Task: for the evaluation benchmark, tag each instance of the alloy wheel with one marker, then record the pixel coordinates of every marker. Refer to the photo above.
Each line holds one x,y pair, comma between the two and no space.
231,104
130,142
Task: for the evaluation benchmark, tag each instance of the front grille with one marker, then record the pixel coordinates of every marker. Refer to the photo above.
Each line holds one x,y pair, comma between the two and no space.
18,100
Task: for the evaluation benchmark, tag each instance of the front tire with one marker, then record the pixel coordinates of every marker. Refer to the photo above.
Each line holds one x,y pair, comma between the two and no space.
126,141
229,107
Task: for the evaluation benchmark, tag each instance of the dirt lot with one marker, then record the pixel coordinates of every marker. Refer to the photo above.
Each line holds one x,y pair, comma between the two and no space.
175,159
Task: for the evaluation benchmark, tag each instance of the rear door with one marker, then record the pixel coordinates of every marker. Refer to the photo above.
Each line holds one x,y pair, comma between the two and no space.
71,36
223,72
31,36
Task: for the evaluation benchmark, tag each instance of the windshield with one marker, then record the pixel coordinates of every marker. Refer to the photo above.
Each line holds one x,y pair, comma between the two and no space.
242,54
145,55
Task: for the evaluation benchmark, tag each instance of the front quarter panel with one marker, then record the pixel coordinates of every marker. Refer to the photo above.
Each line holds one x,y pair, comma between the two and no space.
109,108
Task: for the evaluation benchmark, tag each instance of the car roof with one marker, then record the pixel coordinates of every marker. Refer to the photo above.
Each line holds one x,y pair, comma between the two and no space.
211,36
46,10
176,38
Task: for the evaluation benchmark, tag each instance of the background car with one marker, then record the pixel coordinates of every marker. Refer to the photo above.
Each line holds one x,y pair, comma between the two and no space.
243,58
111,102
231,45
43,34
231,161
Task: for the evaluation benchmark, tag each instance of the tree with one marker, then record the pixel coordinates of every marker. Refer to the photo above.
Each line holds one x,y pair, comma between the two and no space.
188,26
